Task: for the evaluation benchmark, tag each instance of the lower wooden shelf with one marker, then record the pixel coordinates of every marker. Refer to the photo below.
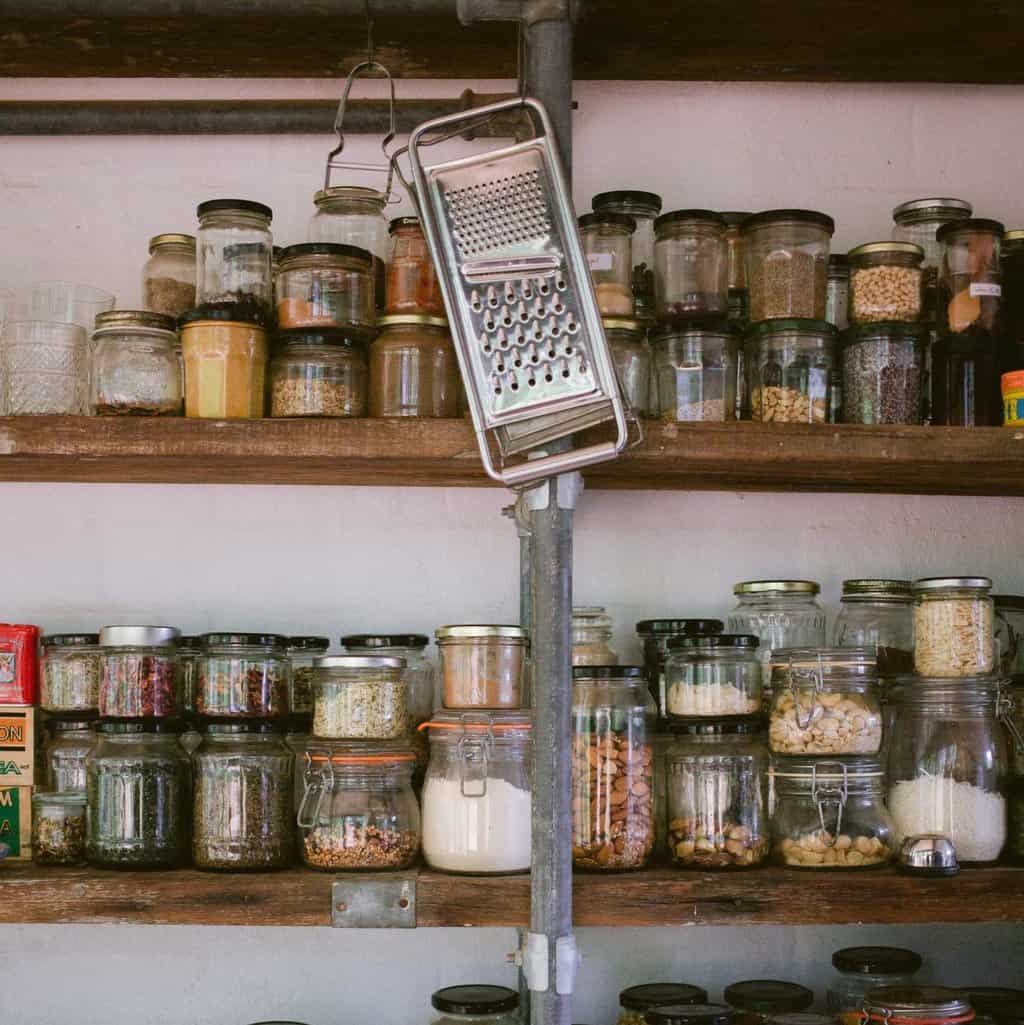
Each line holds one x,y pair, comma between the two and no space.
655,897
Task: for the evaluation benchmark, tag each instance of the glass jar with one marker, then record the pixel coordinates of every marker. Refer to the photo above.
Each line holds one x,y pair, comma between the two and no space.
713,676
243,676
139,786
58,828
189,650
885,282
862,969
476,1005
482,666
789,365
644,208
694,373
631,354
691,264
225,356
655,635
476,797
780,614
169,275
592,637
412,284
325,285
612,769
831,813
358,809
607,245
948,763
69,674
736,268
1009,635
44,369
756,999
69,742
1012,253
718,794
413,368
878,615
317,372
635,1000
691,1014
354,216
916,1005
837,293
787,263
360,697
954,626
139,672
883,372
302,655
233,254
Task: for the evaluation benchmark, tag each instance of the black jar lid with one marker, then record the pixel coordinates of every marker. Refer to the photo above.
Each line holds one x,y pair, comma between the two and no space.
326,249
803,216
765,996
599,217
609,673
690,627
69,640
297,722
243,640
397,223
235,727
683,216
127,726
475,999
223,312
715,641
385,640
1008,601
892,330
309,643
315,337
731,725
632,197
803,324
877,960
690,1014
67,725
661,994
248,205
838,263
969,225
189,641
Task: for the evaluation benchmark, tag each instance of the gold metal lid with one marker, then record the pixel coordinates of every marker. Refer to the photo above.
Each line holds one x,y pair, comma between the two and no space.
411,318
172,238
1014,235
777,587
483,630
122,319
622,324
877,588
901,248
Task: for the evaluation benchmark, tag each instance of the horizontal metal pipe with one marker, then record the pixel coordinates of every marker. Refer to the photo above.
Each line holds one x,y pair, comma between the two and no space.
23,9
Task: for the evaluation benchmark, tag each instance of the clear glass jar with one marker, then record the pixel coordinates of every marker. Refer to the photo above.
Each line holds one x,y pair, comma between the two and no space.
477,794
916,1005
413,368
713,676
862,969
691,1014
412,284
780,614
883,373
948,763
482,666
879,615
139,672
634,1001
243,816
954,626
655,635
787,263
189,650
58,828
592,637
302,655
789,364
718,794
360,697
885,282
139,785
68,743
837,293
631,354
736,268
694,373
325,285
691,264
644,208
612,769
44,369
233,254
318,372
831,813
607,245
243,676
358,809
169,275
1009,634
757,999
69,674
476,1005
354,216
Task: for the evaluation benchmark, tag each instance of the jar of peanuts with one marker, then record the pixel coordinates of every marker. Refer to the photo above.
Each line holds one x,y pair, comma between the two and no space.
885,282
789,364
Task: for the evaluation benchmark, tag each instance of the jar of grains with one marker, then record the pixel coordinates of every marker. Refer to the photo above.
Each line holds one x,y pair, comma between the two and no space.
831,813
69,674
592,637
691,263
476,1005
691,1014
694,373
862,969
413,368
139,672
879,615
477,796
68,743
607,245
412,284
1009,634
318,372
789,363
302,655
655,635
718,793
644,208
233,255
885,282
612,769
713,676
837,297
780,613
916,1005
325,285
482,666
169,275
736,273
58,828
631,354
758,999
360,697
358,809
954,626
634,1001
883,373
243,676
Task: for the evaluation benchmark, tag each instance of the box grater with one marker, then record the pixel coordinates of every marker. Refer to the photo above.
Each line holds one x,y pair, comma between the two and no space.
521,305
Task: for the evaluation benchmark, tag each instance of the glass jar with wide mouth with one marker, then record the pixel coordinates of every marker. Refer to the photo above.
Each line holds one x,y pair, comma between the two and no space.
825,701
476,796
139,786
68,743
787,263
318,372
717,793
691,264
360,697
243,676
883,373
789,364
69,674
694,373
233,254
302,655
691,1014
139,672
482,666
837,296
169,275
631,354
885,282
635,1001
756,999
879,615
44,369
612,769
592,636
831,813
862,969
780,614
644,208
916,1005
413,368
58,828
325,285
1009,635
476,1005
655,635
358,809
607,246
713,676
736,268
954,626
412,283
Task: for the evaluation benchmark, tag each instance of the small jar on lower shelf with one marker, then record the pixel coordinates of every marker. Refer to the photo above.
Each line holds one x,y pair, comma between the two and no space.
757,1000
862,969
631,355
317,372
636,1000
58,828
68,744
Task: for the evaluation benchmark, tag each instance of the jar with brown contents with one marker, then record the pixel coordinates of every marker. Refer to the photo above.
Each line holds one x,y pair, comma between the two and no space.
325,285
482,666
412,285
317,372
413,368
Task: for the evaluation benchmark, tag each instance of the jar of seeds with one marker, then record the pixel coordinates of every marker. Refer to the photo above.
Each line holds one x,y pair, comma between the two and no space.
885,282
58,828
883,368
69,674
360,697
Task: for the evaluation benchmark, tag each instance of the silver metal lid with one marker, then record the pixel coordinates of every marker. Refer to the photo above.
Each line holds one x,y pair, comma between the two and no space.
359,662
444,633
138,636
957,583
777,587
929,854
931,209
916,1001
835,769
877,588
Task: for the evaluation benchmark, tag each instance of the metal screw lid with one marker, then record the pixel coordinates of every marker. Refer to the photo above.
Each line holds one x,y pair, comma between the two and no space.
411,318
900,248
121,319
171,238
629,200
975,225
355,192
729,725
714,641
661,994
359,662
308,643
686,216
692,627
138,636
777,587
337,249
608,673
249,206
243,640
943,583
931,209
606,218
879,589
385,640
622,324
800,216
69,640
482,630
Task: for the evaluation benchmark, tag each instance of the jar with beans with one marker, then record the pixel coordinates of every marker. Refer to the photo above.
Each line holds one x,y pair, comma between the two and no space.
68,743
862,969
885,282
607,245
69,674
413,368
878,614
691,263
636,1000
360,697
412,284
482,666
612,769
883,373
954,626
713,676
644,208
631,355
789,363
694,373
592,636
756,1000
58,828
139,672
655,635
318,372
302,655
243,676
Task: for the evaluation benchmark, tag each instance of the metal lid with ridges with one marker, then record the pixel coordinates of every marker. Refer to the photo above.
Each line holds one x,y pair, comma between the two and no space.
600,218
250,206
312,337
234,728
716,726
926,584
360,192
1013,235
916,1000
767,995
243,640
397,223
686,216
777,587
804,325
171,238
790,215
714,641
680,626
68,725
67,797
412,318
891,246
129,726
248,314
483,630
972,224
622,324
838,265
69,640
385,640
138,636
308,643
690,1014
475,999
650,202
660,994
931,208
626,673
881,588
124,319
359,662
877,960
337,249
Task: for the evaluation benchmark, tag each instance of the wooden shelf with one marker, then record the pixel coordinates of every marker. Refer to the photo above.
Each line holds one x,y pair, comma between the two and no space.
658,897
717,457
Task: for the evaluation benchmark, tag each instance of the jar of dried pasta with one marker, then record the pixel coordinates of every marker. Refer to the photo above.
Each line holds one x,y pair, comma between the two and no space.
954,626
482,666
636,1000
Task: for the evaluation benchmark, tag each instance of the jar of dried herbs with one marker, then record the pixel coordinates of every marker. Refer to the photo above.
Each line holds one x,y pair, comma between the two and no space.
360,697
58,828
243,676
69,674
243,816
302,653
169,275
139,672
68,743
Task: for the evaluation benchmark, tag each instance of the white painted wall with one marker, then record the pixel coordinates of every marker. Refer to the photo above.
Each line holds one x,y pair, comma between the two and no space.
335,560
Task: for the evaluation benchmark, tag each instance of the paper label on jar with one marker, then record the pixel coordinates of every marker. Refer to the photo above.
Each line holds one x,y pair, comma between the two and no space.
985,288
600,261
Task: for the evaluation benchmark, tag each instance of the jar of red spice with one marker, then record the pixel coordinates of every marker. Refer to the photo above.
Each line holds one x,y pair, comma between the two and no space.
412,285
243,676
139,672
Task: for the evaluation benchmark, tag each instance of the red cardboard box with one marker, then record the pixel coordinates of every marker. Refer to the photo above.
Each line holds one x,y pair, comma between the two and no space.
19,664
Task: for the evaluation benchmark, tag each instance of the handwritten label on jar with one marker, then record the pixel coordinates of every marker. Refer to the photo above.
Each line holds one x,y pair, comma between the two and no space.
603,261
986,288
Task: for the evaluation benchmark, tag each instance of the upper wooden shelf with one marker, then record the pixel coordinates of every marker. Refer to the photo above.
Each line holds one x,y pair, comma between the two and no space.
717,457
659,40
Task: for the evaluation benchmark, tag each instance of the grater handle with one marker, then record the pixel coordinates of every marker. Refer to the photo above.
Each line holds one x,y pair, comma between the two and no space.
563,462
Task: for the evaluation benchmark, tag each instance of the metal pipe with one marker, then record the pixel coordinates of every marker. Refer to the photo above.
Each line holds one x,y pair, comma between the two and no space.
548,77
34,9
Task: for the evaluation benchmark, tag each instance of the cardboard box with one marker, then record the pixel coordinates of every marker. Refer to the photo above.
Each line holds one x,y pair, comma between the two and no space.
17,745
16,821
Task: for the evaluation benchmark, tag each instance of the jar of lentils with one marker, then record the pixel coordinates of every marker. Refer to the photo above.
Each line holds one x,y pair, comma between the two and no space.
243,676
885,282
954,626
69,674
139,672
789,363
